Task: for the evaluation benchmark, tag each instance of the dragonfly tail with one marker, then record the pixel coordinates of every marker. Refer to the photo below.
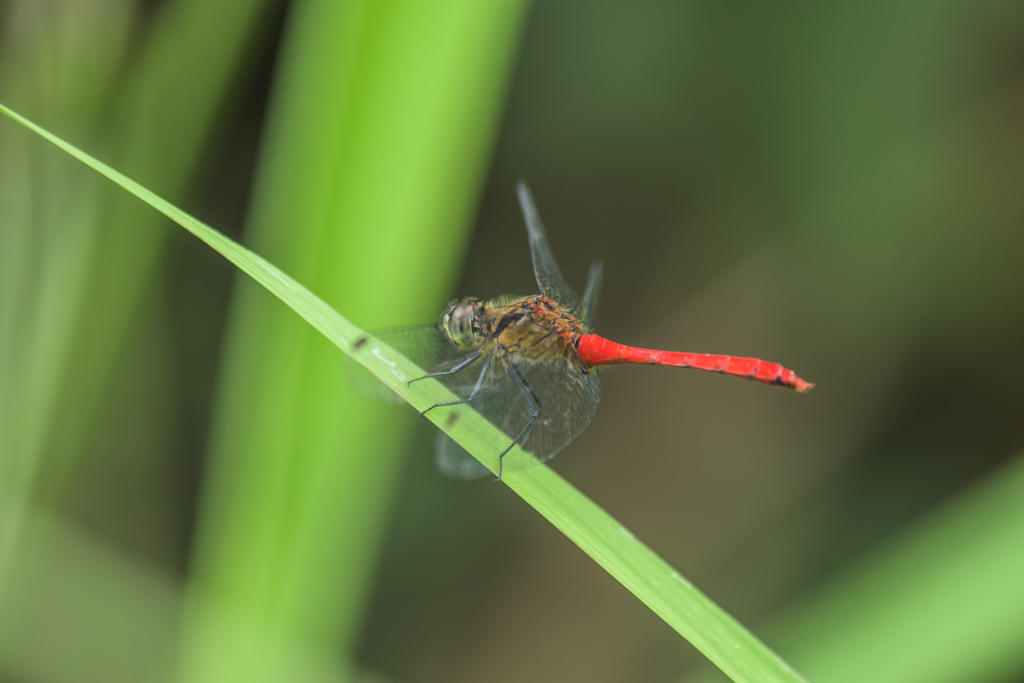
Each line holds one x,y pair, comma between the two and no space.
596,350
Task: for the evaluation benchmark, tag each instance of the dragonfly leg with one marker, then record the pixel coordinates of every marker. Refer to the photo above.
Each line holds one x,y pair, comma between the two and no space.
461,366
476,389
532,404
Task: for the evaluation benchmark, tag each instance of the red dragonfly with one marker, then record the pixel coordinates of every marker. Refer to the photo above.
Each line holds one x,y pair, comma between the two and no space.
529,364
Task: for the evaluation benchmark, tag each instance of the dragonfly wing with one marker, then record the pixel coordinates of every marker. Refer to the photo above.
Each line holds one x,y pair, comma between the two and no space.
549,277
567,395
428,346
454,461
588,304
568,399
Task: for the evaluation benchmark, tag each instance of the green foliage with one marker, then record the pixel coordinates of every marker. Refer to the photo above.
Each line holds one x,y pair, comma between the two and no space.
65,321
389,109
940,602
734,649
835,187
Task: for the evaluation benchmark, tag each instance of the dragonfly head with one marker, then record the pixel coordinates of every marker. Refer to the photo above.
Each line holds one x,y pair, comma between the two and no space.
460,322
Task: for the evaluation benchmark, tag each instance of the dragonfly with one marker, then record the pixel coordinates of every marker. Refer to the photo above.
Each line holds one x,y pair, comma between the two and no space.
529,364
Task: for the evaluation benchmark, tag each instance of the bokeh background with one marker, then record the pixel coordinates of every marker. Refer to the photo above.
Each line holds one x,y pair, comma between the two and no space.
188,492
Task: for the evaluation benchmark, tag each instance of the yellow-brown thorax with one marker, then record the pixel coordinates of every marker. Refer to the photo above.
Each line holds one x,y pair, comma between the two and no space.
533,327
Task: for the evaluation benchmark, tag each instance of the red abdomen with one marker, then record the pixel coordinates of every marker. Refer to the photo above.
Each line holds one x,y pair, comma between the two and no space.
596,350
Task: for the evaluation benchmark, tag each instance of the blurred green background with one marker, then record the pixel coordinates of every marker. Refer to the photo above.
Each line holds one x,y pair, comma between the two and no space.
189,493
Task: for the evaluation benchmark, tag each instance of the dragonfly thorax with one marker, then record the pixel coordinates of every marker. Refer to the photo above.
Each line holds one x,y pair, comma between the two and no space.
529,328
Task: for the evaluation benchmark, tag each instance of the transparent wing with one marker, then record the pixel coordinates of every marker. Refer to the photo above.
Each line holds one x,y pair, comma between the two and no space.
428,346
549,277
454,461
568,400
588,304
567,396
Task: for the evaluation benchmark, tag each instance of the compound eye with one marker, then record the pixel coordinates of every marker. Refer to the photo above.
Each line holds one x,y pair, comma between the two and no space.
459,323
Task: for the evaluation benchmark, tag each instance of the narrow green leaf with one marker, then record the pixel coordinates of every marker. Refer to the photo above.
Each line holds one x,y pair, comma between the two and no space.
75,309
720,637
378,134
942,602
